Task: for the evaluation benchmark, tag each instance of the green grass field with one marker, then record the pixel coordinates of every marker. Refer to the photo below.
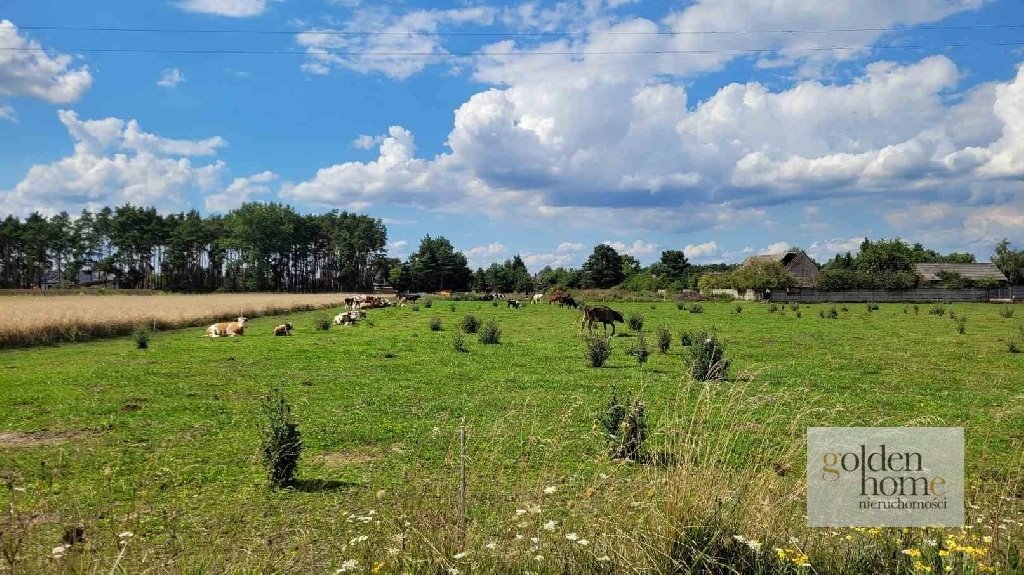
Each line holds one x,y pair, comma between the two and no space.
164,442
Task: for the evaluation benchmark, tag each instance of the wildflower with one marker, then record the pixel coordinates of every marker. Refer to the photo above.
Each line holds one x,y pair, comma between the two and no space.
604,559
754,545
931,542
519,537
921,567
912,552
377,567
460,555
538,557
348,565
59,550
492,545
987,539
550,525
572,537
583,542
534,540
550,489
453,571
520,512
125,534
358,539
603,476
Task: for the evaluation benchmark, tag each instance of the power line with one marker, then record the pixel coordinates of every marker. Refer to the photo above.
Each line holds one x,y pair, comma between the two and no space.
331,32
410,54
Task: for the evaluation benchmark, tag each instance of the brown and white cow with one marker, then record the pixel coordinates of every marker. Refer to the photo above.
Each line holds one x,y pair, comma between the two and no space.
283,329
228,328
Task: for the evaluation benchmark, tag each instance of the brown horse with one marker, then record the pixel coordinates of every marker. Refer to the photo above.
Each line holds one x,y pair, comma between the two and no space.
603,314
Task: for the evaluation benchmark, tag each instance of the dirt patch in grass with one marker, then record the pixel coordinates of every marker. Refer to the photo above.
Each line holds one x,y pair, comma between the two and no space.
16,439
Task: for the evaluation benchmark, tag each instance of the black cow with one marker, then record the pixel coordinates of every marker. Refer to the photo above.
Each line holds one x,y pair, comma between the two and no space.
603,314
514,303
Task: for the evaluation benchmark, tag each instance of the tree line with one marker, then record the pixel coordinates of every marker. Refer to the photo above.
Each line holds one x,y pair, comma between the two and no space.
257,247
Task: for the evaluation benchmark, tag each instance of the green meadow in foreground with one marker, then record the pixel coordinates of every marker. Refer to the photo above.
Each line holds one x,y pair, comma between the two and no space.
118,459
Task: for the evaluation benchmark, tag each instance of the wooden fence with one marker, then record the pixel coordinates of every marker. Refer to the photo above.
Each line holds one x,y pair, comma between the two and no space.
811,295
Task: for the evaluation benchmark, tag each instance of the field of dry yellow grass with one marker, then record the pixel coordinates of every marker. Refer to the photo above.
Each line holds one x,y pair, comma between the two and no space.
36,320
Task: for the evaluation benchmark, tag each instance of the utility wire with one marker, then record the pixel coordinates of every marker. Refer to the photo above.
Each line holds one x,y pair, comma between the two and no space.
326,52
331,32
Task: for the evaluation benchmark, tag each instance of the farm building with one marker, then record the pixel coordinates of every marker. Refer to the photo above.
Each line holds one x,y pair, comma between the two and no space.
797,263
931,273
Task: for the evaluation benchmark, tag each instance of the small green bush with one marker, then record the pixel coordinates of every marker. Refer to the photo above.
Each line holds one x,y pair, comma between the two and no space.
282,442
1011,346
773,308
917,309
598,349
322,322
707,358
435,324
494,303
635,321
685,339
798,315
844,308
961,325
451,307
416,307
871,307
937,309
681,306
794,306
830,314
1006,312
738,309
696,308
459,342
664,338
639,349
428,303
470,324
141,337
625,426
490,334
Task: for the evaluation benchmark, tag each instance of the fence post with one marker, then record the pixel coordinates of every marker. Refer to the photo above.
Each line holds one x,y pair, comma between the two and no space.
462,482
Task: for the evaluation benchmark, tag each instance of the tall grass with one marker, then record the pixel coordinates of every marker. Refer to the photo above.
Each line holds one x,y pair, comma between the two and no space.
32,320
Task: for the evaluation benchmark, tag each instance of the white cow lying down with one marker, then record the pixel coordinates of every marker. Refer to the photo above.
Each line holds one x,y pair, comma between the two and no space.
349,317
228,328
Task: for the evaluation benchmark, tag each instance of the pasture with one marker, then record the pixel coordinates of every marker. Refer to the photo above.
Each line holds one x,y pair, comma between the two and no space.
33,320
155,453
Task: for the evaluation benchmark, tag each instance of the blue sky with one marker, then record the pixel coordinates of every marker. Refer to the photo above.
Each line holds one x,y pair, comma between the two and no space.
725,128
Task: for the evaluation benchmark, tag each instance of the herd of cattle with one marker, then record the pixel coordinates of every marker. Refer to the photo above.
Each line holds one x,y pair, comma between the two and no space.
355,310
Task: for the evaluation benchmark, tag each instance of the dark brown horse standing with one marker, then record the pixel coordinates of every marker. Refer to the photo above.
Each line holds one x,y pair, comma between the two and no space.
603,314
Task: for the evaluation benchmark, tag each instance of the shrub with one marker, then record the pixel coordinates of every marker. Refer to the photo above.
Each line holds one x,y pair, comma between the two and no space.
428,303
937,310
282,442
830,314
416,307
625,425
696,308
470,324
491,334
459,342
681,306
635,321
1011,346
435,324
961,325
871,307
794,306
599,349
798,314
917,309
738,309
653,307
685,339
773,308
141,337
906,309
494,303
639,349
451,307
322,323
844,308
1006,312
664,339
707,358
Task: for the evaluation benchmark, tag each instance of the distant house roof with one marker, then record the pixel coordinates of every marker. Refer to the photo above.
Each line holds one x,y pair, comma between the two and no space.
984,271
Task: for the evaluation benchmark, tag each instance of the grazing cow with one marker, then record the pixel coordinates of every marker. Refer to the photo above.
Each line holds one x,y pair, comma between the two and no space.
228,328
514,304
283,329
603,314
557,297
412,297
567,300
346,318
538,297
350,303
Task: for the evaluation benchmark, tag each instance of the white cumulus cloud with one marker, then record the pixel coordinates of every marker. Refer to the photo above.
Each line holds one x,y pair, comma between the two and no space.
230,8
170,78
27,69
